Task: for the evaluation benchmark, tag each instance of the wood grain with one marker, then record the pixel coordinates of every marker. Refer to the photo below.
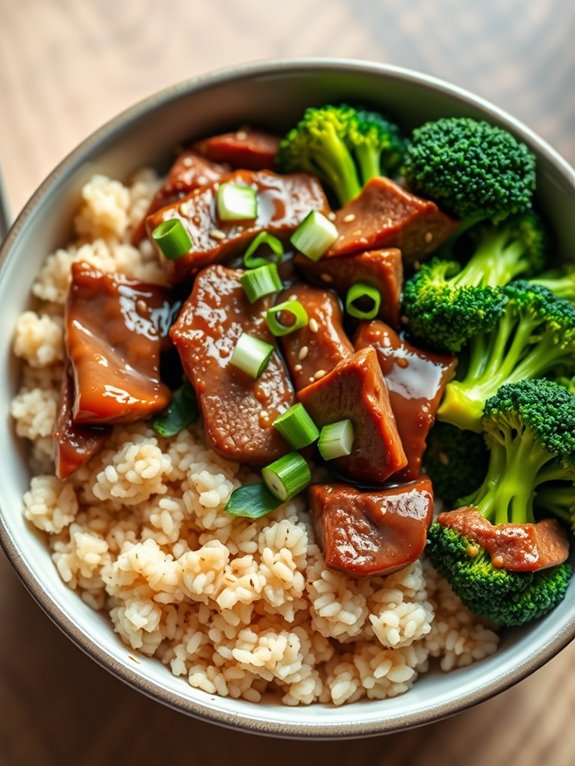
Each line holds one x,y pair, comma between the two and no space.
66,67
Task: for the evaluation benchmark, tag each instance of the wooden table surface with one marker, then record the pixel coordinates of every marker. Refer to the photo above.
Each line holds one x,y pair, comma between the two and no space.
66,66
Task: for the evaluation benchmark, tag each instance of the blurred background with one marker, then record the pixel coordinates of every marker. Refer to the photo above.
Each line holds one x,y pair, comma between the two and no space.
67,66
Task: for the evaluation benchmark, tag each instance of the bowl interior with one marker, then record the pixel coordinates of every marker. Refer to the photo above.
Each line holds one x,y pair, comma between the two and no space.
272,95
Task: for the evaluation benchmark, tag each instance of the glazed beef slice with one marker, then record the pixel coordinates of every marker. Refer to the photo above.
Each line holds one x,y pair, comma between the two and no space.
237,410
355,389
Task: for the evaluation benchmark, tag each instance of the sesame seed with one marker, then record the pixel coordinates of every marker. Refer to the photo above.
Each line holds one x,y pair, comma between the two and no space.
297,368
349,218
141,305
311,378
319,374
429,236
264,415
313,325
293,297
443,458
326,277
331,216
201,180
217,234
241,135
303,352
357,233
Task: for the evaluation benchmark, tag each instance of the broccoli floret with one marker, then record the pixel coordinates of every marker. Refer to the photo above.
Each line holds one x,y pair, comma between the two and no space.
530,431
447,304
377,145
534,335
455,460
560,281
508,598
345,147
475,170
445,312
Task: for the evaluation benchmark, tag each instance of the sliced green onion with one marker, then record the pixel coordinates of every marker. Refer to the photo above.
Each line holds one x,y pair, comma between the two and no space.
314,235
172,238
263,238
251,355
294,308
297,427
236,203
180,412
362,301
264,280
287,476
336,440
252,501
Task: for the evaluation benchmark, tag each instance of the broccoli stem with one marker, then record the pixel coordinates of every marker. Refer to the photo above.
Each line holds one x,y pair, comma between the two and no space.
369,161
336,165
545,356
506,495
562,286
493,361
494,263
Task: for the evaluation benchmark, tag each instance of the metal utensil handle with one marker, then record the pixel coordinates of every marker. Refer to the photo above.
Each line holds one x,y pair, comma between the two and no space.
5,216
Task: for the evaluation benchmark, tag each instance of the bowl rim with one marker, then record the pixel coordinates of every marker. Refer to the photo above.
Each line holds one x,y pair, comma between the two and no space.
249,721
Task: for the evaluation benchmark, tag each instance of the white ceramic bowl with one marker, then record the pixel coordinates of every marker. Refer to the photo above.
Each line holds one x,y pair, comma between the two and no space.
275,94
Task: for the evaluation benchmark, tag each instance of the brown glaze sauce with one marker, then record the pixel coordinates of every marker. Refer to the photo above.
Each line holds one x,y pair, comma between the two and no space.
316,348
384,214
238,411
283,203
371,533
114,333
74,444
355,389
382,269
416,380
515,547
189,172
245,148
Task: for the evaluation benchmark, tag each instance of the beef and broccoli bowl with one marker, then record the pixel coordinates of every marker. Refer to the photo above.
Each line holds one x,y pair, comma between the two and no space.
299,407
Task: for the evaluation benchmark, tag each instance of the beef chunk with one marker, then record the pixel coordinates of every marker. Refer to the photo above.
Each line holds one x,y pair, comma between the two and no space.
355,389
237,410
416,380
322,343
385,214
371,533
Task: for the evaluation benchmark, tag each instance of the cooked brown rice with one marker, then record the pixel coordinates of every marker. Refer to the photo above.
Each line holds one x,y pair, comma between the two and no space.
235,607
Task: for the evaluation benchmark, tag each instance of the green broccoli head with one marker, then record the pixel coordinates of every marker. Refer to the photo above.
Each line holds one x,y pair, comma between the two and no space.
377,145
534,335
475,170
318,144
508,598
443,312
560,281
456,462
530,431
344,146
